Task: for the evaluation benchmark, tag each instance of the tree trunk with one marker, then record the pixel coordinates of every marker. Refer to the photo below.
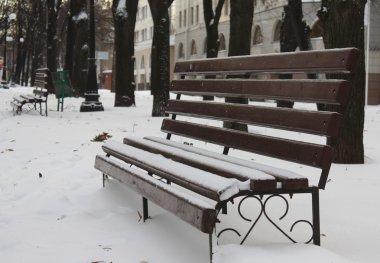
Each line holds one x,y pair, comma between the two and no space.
240,43
70,37
38,38
52,38
212,22
123,75
294,32
344,27
160,55
79,59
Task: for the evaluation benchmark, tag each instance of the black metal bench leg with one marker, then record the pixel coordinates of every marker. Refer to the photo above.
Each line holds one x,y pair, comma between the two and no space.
105,177
316,218
145,209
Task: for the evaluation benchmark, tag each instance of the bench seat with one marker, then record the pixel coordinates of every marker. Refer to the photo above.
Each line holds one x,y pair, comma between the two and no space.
202,182
288,179
262,177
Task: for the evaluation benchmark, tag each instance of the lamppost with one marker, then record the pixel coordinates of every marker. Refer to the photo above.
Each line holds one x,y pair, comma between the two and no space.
8,18
91,102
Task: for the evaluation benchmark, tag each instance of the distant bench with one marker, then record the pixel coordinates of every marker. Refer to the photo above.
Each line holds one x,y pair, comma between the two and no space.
40,94
211,179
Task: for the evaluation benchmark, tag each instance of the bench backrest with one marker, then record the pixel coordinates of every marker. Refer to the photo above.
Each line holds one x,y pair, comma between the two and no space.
42,81
273,119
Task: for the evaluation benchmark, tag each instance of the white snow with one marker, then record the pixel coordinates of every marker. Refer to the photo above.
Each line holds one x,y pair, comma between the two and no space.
121,9
67,216
81,16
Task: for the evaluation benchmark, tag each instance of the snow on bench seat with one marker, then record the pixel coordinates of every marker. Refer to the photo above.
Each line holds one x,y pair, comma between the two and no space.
289,179
205,183
189,208
258,179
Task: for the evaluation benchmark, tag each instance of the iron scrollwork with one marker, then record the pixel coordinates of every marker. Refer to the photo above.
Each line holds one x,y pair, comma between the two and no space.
263,211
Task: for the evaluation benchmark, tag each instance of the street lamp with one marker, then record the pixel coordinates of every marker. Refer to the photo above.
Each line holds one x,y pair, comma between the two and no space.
7,18
91,102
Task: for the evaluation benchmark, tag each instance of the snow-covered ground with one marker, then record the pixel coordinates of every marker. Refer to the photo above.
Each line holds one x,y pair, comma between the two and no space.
53,207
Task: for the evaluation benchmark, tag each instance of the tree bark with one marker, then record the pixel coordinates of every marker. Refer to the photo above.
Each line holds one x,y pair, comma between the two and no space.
38,38
294,33
78,46
212,22
344,27
160,55
241,18
52,38
123,76
70,37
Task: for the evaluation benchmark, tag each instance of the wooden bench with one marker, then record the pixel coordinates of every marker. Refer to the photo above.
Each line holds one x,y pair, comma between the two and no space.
40,94
213,179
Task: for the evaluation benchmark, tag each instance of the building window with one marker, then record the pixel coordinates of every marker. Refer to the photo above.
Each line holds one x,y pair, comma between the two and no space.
137,36
205,46
151,32
226,7
193,46
192,16
181,53
222,42
180,19
197,14
277,31
257,36
144,12
144,34
184,17
142,63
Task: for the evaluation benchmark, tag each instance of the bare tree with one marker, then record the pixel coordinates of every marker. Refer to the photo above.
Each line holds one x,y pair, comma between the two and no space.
294,33
123,76
160,55
52,38
212,18
241,18
343,23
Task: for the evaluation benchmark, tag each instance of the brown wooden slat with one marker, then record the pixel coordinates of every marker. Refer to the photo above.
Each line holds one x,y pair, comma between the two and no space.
315,155
333,60
316,91
313,122
147,165
256,185
40,92
288,181
200,217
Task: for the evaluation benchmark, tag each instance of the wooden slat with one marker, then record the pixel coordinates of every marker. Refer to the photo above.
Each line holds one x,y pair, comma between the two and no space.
316,91
199,216
289,179
324,123
261,182
333,60
315,155
38,92
201,182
